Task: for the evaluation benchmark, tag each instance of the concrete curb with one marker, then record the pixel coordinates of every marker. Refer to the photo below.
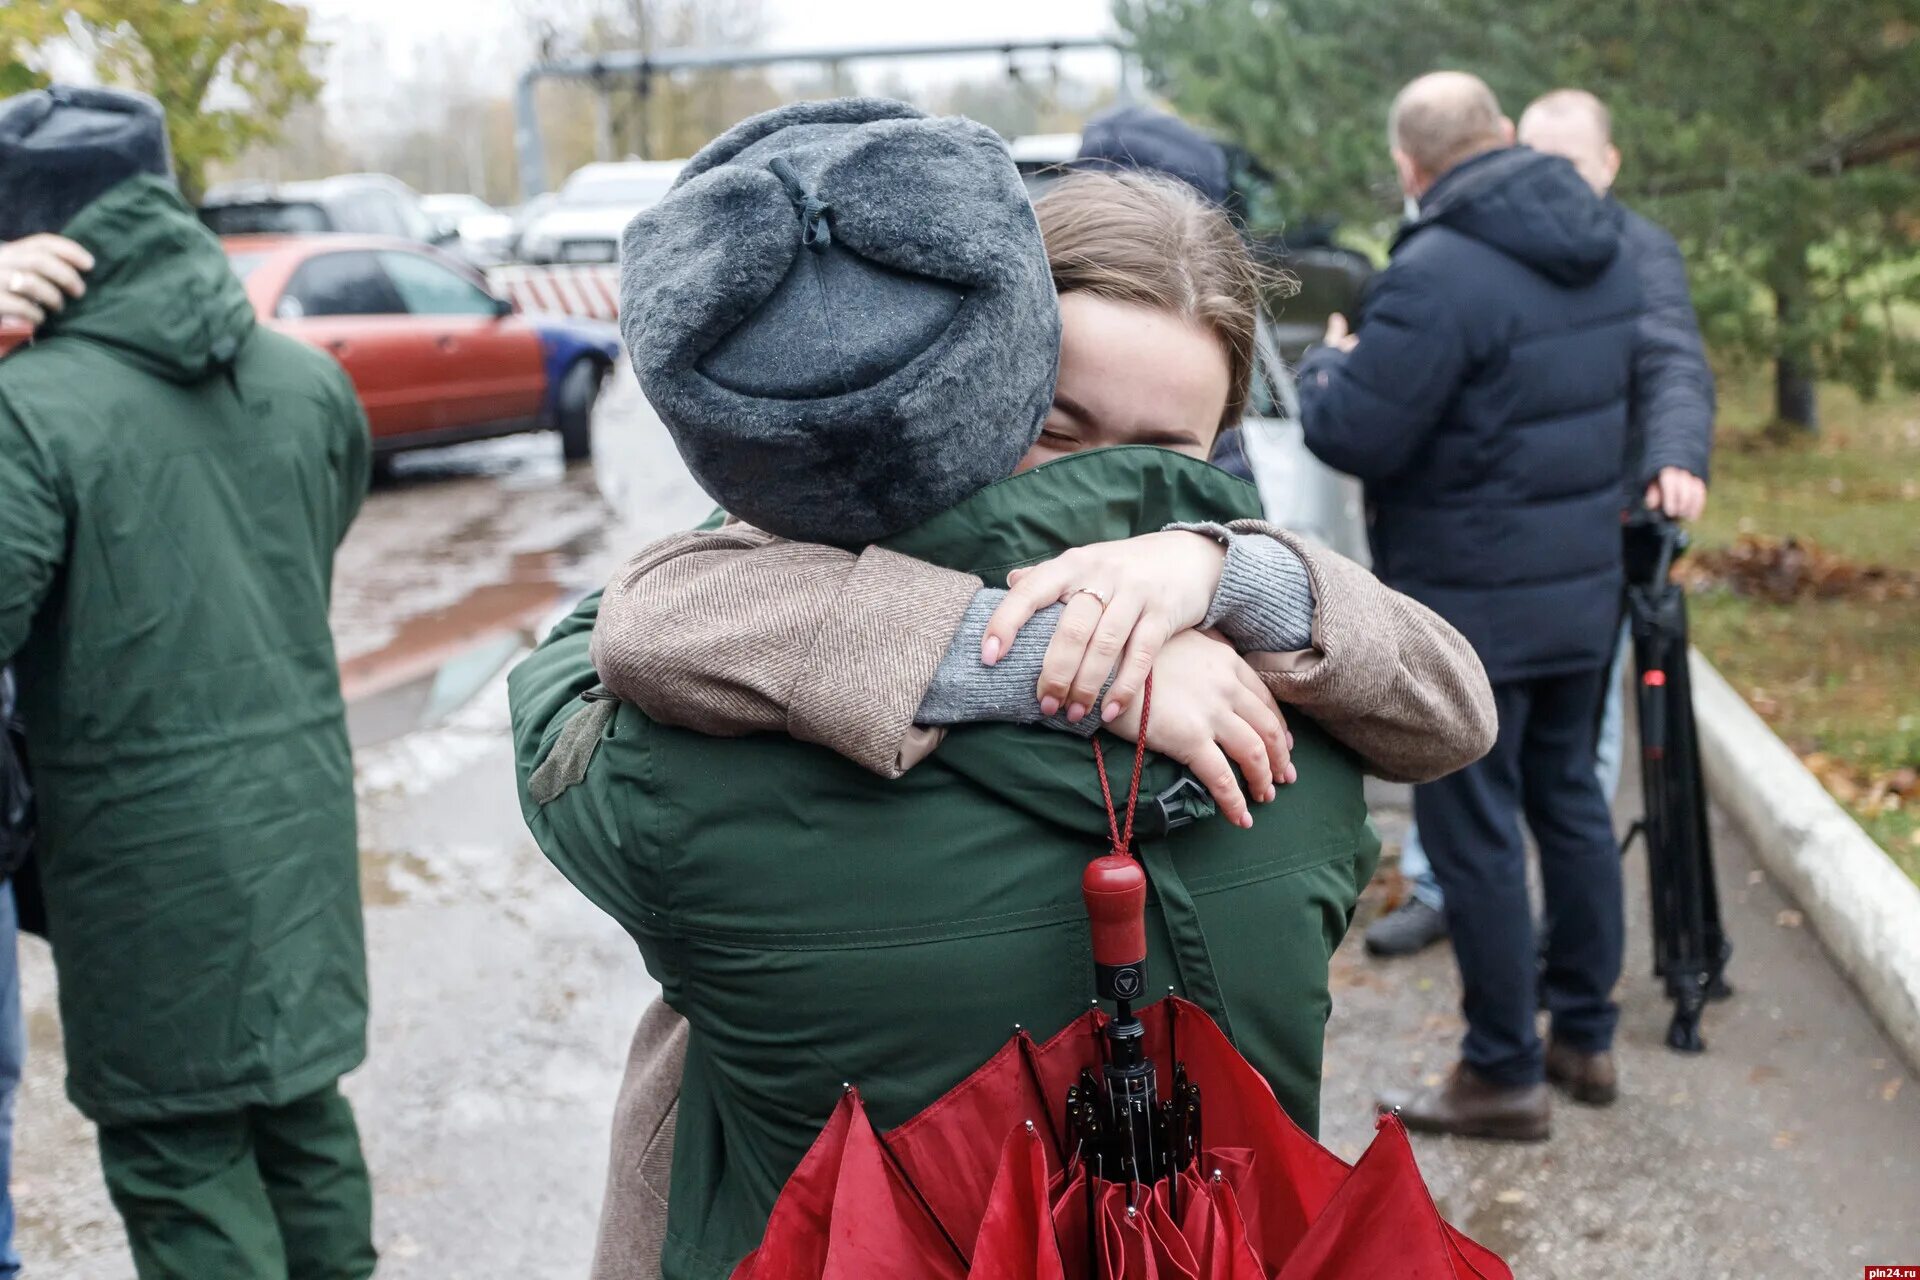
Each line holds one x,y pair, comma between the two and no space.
1864,909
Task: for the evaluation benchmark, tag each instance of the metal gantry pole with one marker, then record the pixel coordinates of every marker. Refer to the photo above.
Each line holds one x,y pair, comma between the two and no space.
526,134
641,65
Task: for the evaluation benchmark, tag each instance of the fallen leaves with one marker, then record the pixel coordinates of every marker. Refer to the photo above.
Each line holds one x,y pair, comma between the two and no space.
1890,1090
1789,919
1784,570
1870,790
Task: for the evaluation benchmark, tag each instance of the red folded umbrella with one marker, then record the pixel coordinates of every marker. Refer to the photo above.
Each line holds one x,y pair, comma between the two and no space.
978,1185
1061,1161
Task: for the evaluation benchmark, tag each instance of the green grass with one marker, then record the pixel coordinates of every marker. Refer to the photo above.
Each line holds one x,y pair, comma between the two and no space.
1854,489
1840,677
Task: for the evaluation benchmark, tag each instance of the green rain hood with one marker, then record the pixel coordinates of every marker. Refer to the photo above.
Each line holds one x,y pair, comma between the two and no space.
818,924
173,482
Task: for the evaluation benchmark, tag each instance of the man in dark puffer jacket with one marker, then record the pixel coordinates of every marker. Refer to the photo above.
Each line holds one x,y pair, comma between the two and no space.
1484,401
1669,438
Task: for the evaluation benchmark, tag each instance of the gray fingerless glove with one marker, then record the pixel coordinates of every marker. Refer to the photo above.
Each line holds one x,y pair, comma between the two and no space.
1264,603
966,690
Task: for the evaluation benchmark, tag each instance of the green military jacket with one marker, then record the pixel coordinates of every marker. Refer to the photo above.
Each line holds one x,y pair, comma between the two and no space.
818,924
173,482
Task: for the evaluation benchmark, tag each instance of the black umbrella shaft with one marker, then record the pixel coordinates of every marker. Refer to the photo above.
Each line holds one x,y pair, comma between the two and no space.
1134,1107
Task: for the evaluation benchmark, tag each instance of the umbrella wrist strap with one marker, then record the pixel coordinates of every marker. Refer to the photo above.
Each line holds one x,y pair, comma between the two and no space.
1123,837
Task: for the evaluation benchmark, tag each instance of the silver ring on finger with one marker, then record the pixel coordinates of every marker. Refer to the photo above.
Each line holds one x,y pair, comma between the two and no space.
1101,596
17,282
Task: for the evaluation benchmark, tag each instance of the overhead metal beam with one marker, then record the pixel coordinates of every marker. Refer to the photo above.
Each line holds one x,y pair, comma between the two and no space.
637,65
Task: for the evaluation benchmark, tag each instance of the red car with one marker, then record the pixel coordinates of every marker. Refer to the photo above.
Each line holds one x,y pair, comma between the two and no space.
436,357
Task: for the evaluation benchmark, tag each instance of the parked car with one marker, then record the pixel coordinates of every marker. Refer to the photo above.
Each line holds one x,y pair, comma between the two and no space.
482,233
584,222
436,356
525,215
370,204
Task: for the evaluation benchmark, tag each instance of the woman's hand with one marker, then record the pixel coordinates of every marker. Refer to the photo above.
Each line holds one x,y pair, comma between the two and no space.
38,274
1209,708
1124,600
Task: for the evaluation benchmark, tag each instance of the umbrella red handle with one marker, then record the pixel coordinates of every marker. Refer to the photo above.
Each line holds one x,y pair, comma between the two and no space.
1115,889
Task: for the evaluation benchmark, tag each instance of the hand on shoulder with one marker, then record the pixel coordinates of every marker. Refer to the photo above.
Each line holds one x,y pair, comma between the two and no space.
38,274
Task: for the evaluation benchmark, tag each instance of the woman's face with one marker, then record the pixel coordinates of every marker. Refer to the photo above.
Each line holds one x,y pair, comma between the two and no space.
1132,375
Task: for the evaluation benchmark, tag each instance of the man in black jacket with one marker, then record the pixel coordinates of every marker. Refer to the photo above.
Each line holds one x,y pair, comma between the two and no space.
1670,427
1669,432
1483,400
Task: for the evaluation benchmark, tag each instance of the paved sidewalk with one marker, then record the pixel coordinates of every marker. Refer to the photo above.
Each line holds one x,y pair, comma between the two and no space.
1789,1150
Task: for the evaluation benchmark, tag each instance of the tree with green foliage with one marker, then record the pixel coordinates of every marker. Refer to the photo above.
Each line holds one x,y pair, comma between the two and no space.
226,71
1302,84
1778,139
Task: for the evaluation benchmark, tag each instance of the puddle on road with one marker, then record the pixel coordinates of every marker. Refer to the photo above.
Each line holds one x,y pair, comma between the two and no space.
439,820
523,461
436,661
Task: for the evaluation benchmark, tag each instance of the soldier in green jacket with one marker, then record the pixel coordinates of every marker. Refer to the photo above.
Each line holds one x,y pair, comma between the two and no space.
815,921
174,480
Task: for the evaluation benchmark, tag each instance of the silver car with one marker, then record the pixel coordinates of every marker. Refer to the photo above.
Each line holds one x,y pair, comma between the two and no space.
592,209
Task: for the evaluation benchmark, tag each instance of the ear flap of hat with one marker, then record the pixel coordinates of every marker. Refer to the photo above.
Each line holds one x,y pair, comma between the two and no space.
684,282
940,200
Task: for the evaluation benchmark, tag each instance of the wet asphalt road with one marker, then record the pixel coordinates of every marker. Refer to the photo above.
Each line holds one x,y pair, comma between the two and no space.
503,1002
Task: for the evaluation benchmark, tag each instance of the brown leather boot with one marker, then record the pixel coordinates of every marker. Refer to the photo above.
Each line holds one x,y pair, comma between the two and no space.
1471,1106
1587,1077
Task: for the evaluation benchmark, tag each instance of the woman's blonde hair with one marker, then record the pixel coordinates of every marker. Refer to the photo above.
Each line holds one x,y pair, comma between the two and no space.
1157,243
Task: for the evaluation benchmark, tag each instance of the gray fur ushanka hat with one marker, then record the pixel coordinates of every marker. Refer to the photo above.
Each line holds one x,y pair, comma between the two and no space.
843,314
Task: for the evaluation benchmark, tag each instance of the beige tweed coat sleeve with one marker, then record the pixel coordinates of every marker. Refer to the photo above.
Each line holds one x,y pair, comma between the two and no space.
734,631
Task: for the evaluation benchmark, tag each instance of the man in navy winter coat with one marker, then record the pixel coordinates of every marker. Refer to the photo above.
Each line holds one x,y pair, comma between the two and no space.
1484,402
1669,433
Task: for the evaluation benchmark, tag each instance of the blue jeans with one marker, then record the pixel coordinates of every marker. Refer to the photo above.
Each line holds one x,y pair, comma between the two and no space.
13,1052
1418,871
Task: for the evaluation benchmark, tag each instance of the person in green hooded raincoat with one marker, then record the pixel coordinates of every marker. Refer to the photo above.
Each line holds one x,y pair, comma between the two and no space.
818,922
174,480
